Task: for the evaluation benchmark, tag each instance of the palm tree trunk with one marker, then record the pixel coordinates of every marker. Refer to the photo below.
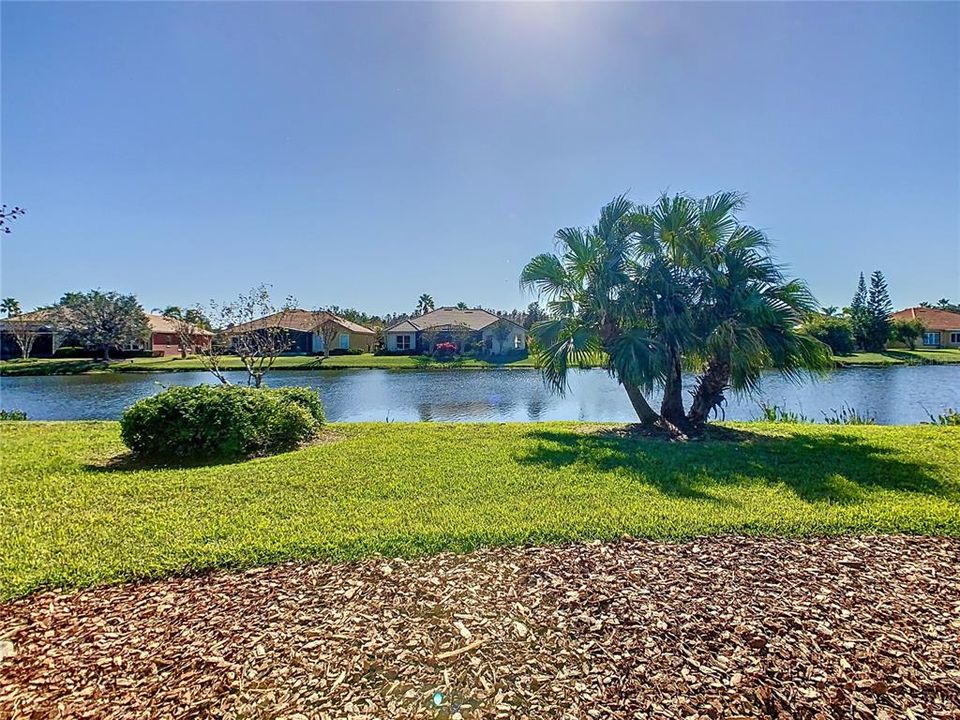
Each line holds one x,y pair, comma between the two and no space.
709,392
647,414
671,409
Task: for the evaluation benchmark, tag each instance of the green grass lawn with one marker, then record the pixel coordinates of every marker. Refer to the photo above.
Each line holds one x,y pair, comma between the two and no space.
73,518
901,357
76,366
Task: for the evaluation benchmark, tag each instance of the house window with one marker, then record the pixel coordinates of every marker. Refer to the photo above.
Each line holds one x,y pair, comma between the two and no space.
516,342
344,341
931,338
403,342
955,338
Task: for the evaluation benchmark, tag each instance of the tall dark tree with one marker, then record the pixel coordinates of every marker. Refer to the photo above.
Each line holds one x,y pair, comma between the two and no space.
879,309
103,320
858,314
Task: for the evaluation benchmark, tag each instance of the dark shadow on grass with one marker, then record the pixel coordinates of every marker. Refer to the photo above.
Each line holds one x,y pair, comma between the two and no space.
130,462
67,366
832,467
909,359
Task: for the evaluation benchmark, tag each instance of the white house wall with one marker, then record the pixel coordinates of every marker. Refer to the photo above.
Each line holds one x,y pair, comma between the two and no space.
509,343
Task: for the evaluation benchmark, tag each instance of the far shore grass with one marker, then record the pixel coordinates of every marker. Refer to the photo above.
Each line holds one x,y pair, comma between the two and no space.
77,366
75,513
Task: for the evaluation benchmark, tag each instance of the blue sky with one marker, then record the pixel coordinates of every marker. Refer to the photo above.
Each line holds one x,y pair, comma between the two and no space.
362,154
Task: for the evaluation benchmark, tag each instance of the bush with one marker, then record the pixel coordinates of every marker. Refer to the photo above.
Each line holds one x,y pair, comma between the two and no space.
221,421
907,332
341,351
12,415
835,332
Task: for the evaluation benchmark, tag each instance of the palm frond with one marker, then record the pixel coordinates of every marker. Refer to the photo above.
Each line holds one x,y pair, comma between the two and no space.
545,274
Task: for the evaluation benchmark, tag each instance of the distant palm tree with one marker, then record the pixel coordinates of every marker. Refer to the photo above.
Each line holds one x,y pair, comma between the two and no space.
461,305
10,306
830,310
424,304
943,302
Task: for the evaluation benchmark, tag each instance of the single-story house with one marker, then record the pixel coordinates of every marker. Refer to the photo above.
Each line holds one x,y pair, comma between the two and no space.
47,338
165,338
941,327
305,331
51,333
468,329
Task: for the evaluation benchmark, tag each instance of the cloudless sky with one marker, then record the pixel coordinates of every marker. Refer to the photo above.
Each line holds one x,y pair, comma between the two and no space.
361,154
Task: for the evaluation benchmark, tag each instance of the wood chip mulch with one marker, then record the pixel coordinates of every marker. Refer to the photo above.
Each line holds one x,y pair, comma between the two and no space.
727,627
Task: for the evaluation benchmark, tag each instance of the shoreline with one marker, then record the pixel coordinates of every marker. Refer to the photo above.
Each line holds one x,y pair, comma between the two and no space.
87,366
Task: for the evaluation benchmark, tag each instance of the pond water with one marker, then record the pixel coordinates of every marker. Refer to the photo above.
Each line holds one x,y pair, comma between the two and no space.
897,395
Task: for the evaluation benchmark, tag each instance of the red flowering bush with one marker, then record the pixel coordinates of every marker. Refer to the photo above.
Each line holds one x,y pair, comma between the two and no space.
445,348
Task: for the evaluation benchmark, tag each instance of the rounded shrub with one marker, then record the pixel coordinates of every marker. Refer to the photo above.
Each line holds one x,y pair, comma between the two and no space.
221,421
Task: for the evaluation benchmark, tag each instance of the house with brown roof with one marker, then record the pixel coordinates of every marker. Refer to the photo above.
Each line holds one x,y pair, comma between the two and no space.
305,331
941,327
165,338
53,330
475,329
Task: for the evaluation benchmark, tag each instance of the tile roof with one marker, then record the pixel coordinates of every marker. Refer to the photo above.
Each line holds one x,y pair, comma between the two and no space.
449,317
302,320
932,318
160,324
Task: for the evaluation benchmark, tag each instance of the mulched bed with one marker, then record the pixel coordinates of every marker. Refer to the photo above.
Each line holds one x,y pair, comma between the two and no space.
716,628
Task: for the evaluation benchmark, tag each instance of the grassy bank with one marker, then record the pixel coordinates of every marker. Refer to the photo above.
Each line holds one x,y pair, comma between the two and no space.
945,356
77,366
72,517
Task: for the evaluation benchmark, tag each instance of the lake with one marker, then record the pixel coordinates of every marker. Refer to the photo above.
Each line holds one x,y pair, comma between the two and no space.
897,395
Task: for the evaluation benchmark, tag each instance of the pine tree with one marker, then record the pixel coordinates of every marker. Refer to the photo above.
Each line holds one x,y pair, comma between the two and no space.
858,314
879,309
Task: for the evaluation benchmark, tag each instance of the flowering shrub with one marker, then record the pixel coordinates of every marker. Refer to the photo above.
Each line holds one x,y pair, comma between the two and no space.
445,348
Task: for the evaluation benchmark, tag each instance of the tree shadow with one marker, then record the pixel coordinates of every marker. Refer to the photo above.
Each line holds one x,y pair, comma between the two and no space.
128,462
834,467
67,366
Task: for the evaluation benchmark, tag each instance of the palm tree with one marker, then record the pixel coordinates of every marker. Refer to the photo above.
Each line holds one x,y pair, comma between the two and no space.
585,287
461,305
679,285
747,311
10,306
830,310
424,304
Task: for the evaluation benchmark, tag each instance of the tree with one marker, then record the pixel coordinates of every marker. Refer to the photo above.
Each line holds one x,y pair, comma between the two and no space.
10,306
658,289
832,331
461,305
424,304
241,330
907,332
534,314
329,331
501,333
878,311
25,333
830,310
186,324
858,314
8,214
103,320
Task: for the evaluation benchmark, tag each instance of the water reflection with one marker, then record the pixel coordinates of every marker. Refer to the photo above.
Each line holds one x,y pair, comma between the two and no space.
892,395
